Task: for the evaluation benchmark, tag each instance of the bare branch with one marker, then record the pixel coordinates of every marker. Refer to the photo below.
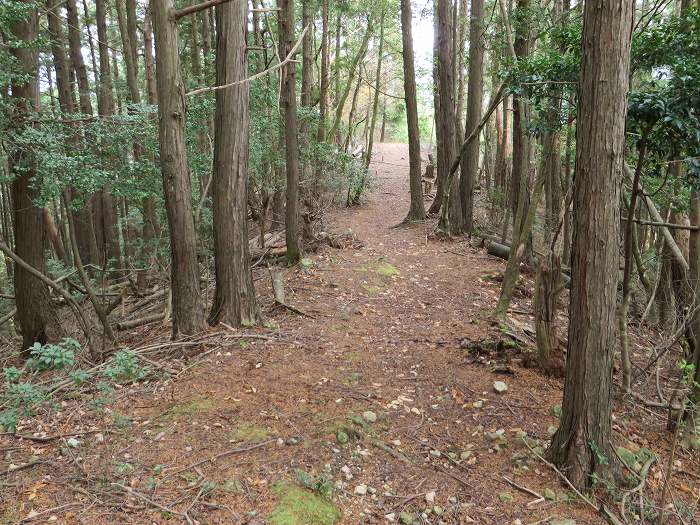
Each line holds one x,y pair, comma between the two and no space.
179,13
288,59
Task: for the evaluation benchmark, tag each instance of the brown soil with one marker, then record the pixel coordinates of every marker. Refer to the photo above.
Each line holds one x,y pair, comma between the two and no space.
398,327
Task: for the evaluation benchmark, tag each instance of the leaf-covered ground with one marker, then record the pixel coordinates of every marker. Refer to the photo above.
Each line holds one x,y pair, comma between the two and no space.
378,405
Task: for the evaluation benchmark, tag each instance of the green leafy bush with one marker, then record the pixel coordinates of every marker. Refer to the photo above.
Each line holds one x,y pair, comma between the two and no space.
125,367
53,357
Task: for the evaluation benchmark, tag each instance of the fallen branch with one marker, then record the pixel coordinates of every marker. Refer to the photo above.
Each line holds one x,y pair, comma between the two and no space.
148,500
526,490
133,323
224,454
53,284
24,466
8,316
614,520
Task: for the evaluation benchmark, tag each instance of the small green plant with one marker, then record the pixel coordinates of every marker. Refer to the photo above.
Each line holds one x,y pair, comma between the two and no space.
12,374
79,376
8,420
121,421
24,396
53,357
125,367
600,455
124,468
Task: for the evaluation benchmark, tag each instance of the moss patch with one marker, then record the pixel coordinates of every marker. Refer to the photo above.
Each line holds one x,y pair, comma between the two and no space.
249,432
372,289
298,506
386,270
198,404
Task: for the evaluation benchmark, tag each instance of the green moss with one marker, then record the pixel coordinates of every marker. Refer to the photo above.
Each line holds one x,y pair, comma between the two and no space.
372,289
198,404
386,270
298,506
249,432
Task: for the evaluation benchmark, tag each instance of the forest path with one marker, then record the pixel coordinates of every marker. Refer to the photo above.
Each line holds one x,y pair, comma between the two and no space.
391,322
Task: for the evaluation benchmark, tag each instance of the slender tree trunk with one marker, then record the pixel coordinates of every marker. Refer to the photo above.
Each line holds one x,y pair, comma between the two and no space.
461,27
187,311
417,210
195,49
377,85
37,320
325,50
352,72
581,446
60,61
437,116
470,161
105,103
289,105
106,218
91,44
234,297
566,234
627,272
85,230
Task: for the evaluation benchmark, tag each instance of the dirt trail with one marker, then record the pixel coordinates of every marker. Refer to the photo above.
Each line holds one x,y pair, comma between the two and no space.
391,328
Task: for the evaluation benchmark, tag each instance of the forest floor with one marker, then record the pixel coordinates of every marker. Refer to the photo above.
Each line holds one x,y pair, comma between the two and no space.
382,394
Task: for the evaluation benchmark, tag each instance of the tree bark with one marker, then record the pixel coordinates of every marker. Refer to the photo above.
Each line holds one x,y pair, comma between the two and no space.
437,116
106,218
65,93
188,314
521,157
416,211
325,58
446,128
470,161
581,446
234,296
289,105
85,230
38,322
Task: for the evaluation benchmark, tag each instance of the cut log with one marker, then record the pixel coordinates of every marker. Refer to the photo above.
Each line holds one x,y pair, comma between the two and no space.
503,252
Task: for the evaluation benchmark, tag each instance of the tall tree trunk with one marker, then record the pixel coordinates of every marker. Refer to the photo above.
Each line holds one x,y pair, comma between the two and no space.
581,446
107,218
470,161
149,63
195,49
325,58
461,42
105,102
417,210
63,85
377,84
188,314
37,320
126,13
521,117
234,297
446,128
289,105
437,116
91,44
84,227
